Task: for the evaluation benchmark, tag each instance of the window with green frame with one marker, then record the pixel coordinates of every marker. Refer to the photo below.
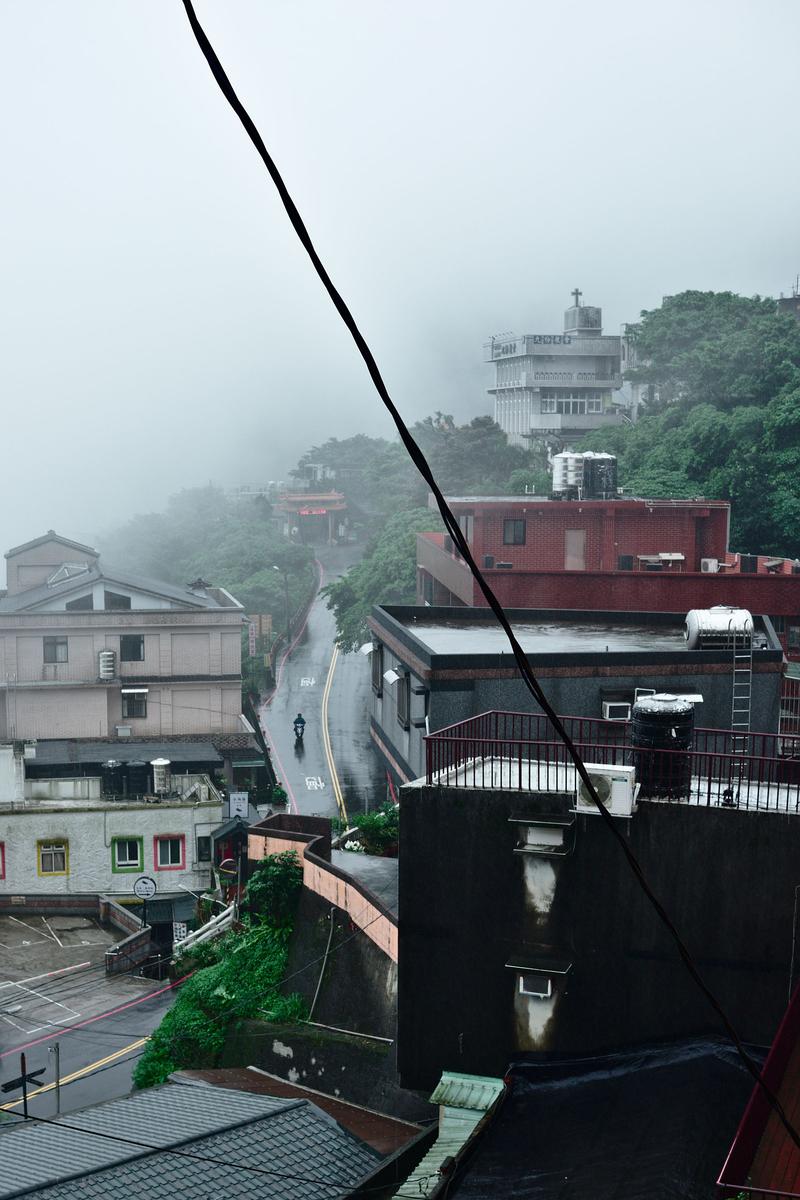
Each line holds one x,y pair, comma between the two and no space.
127,854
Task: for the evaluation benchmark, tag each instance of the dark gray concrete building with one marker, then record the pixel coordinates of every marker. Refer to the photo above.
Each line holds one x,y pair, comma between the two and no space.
432,667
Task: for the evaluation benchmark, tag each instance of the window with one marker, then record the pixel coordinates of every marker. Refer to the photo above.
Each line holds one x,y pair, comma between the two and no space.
794,637
82,604
53,858
2,860
169,852
113,600
204,849
377,670
535,983
466,523
594,406
131,647
134,704
548,406
55,650
779,624
514,533
403,699
127,854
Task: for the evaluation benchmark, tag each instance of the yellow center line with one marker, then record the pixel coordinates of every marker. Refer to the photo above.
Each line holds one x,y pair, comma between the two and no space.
101,1062
326,737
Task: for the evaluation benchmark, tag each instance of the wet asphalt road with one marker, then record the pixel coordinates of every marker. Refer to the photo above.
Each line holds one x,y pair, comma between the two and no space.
101,1049
304,767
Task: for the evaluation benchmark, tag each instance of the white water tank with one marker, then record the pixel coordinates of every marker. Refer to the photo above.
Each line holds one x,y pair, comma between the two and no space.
161,774
567,472
715,628
107,664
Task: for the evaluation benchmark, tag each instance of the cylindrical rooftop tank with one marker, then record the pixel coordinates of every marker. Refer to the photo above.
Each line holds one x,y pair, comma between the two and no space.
715,628
138,778
111,777
567,473
661,732
599,476
106,664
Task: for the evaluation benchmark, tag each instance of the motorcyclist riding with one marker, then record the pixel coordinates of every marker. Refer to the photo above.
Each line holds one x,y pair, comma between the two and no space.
299,725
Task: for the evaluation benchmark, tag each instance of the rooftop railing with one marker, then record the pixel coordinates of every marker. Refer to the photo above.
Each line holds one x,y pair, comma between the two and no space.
520,751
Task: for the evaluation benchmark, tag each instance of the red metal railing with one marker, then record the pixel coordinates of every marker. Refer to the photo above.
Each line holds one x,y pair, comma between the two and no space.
519,751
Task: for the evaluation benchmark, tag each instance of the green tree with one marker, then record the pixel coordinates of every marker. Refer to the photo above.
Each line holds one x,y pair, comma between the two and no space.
385,575
716,348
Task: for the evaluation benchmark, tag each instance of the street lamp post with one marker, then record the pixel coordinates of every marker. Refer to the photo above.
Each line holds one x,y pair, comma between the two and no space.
285,573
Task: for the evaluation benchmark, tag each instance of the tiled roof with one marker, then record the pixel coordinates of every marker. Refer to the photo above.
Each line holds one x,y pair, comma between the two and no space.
262,1147
51,536
185,596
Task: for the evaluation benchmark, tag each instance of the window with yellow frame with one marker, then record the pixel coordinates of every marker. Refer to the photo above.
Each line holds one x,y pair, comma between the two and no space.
52,857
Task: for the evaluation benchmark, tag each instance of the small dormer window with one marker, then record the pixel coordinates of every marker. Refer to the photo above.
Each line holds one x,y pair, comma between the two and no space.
81,604
114,601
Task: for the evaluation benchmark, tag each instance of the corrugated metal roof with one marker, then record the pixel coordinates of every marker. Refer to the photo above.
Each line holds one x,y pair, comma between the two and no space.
290,1138
63,751
465,1100
466,1091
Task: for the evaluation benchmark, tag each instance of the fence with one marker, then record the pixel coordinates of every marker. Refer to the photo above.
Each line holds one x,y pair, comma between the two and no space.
520,751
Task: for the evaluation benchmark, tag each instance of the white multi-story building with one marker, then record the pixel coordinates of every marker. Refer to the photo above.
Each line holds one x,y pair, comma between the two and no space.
60,836
558,385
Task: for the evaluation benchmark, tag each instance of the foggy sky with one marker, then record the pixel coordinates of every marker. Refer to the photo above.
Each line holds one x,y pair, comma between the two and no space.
461,167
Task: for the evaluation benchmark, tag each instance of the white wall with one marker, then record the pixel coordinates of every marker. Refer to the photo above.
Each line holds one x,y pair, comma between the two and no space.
89,831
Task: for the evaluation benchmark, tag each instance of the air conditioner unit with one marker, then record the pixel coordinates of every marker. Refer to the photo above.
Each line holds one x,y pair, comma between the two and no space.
709,566
123,730
616,710
615,787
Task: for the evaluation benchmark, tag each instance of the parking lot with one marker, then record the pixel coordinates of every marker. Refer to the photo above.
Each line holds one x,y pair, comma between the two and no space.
52,974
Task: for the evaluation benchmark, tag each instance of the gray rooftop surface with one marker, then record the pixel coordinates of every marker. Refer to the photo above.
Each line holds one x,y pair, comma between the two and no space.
545,637
263,1147
65,751
376,873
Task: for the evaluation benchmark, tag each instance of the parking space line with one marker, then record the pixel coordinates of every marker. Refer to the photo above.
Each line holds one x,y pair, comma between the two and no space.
47,999
53,932
45,937
46,974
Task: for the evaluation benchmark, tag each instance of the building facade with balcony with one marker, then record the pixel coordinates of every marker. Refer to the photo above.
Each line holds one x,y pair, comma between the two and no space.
87,653
432,667
627,554
524,922
557,385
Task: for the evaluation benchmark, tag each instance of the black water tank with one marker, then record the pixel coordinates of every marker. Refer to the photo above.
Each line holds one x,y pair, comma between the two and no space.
748,564
488,561
138,778
625,562
111,776
661,732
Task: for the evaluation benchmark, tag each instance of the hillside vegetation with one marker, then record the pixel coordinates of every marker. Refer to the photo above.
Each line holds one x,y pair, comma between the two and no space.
723,415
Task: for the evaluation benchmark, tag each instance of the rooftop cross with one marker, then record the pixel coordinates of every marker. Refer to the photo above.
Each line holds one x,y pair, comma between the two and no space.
577,293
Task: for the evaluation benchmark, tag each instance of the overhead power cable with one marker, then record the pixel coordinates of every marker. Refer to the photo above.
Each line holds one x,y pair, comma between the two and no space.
464,550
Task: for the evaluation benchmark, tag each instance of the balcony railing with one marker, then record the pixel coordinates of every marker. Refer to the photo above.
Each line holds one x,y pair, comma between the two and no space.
520,751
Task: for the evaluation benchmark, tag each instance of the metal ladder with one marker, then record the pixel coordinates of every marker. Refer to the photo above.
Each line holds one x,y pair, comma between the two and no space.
742,689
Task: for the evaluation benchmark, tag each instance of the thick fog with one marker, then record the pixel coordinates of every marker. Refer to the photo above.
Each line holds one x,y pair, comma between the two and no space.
461,167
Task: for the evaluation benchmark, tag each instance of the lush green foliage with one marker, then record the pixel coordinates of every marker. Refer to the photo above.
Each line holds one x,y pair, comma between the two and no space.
385,575
378,477
378,830
235,978
716,348
273,888
231,544
727,423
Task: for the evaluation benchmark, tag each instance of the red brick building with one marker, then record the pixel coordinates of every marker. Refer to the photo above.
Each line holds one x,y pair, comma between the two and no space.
626,555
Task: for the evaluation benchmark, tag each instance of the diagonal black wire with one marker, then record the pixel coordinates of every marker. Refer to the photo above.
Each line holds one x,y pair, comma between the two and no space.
455,532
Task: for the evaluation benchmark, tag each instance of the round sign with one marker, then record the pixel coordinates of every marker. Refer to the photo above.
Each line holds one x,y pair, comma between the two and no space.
144,887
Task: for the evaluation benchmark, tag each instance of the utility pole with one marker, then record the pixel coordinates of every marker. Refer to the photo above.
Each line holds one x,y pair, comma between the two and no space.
23,1079
285,573
55,1050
